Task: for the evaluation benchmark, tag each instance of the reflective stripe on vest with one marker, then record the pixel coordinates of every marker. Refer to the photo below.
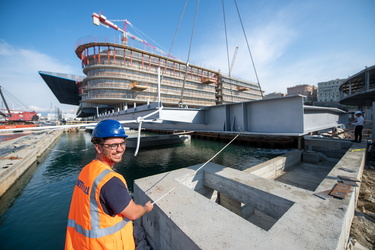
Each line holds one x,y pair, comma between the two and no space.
96,231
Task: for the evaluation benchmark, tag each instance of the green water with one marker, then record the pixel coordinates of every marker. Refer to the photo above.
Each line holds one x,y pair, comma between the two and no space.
34,213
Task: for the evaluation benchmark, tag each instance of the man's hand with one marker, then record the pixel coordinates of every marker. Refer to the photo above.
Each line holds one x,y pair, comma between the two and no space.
134,211
149,206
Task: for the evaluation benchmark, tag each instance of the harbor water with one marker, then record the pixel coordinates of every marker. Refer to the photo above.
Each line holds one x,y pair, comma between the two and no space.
33,214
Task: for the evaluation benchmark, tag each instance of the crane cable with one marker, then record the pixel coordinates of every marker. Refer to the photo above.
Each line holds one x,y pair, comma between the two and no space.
226,42
178,27
248,47
174,37
194,171
180,103
13,98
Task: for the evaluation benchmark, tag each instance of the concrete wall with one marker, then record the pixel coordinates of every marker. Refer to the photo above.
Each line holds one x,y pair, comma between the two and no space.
161,231
329,147
275,167
354,160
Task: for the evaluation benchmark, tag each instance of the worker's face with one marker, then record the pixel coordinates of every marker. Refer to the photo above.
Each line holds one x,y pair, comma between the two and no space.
111,150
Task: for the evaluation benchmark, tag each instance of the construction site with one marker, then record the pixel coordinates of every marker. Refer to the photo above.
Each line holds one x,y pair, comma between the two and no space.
304,199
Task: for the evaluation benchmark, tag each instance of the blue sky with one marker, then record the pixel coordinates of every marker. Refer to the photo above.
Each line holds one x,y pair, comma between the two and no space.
292,41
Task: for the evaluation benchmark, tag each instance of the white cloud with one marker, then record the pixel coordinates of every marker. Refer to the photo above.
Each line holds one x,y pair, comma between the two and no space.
19,75
268,42
288,46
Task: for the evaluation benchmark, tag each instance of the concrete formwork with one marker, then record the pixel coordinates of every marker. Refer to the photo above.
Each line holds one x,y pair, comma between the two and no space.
259,213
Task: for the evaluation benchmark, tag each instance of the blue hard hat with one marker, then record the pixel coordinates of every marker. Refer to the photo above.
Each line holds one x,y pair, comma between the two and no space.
108,128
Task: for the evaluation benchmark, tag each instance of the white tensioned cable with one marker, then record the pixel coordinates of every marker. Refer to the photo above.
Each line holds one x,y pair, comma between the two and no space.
196,170
140,120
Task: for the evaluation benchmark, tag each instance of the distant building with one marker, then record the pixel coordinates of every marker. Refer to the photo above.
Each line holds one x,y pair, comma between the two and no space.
52,117
330,91
69,116
304,89
274,95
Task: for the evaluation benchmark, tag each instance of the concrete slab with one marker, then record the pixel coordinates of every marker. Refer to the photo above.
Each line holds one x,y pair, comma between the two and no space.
17,155
188,217
306,175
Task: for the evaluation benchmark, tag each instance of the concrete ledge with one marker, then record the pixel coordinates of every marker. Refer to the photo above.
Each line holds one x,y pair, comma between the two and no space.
32,147
330,147
275,167
188,217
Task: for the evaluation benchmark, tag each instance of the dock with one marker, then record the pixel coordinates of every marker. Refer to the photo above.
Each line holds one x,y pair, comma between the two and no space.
219,207
17,155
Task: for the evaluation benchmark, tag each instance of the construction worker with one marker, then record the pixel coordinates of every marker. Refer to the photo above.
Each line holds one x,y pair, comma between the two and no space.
358,126
102,210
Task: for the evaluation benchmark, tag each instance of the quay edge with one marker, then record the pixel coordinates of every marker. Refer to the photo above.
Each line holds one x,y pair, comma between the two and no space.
15,162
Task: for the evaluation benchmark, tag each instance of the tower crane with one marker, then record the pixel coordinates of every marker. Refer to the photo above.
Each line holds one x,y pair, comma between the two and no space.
98,19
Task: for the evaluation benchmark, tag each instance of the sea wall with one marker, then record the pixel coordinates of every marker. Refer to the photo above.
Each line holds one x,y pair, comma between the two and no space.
19,154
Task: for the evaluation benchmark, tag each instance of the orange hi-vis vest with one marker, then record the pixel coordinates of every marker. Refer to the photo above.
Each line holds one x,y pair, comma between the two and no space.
89,227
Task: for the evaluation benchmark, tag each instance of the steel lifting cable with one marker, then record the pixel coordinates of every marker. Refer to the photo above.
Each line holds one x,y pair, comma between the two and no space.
141,34
188,59
195,171
178,27
174,37
248,47
226,42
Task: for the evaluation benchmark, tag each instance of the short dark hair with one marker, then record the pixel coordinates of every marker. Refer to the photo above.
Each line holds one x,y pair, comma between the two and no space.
97,140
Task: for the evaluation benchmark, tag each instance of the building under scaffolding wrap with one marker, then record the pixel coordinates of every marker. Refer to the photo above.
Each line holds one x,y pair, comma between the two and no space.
120,76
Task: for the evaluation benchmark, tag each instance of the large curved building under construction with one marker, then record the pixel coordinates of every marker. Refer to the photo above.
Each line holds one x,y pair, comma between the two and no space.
119,76
359,89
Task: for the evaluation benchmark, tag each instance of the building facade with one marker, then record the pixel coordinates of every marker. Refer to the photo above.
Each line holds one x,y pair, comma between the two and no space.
304,89
330,91
119,76
274,95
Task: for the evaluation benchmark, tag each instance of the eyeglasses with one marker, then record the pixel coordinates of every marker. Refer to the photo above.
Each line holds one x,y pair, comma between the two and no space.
115,146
